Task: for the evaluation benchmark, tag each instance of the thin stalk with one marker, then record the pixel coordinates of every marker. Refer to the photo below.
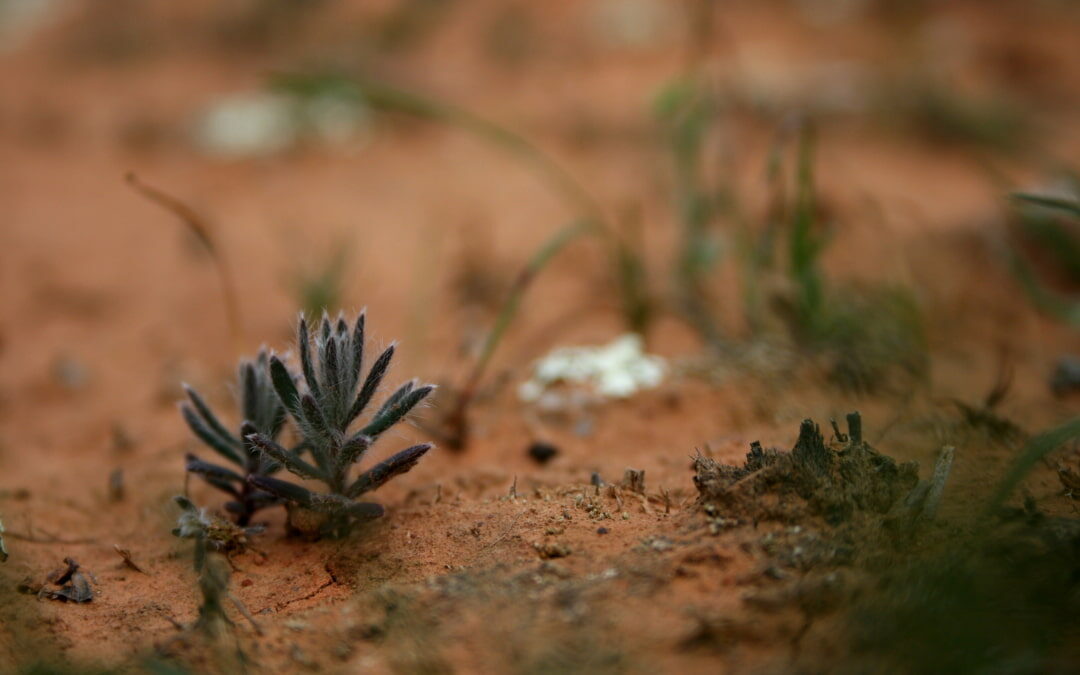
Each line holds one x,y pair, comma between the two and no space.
1069,206
457,420
381,95
1036,449
804,247
198,226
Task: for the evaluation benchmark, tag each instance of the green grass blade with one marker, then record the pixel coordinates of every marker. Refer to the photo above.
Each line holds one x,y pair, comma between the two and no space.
1036,449
1070,206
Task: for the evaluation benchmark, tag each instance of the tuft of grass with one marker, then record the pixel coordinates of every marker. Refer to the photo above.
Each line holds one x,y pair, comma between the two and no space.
872,339
865,336
805,245
332,397
262,413
997,596
457,429
685,110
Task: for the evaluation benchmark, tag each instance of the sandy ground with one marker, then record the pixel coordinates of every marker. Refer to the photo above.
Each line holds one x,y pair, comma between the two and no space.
107,304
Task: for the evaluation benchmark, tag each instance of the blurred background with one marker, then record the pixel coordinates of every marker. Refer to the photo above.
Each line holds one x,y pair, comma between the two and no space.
411,156
823,195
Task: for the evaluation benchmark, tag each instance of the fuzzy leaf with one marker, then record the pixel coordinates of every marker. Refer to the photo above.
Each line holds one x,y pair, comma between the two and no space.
384,471
395,410
208,470
396,397
185,504
304,342
287,459
365,511
260,401
351,451
208,436
357,351
371,384
250,388
247,428
316,427
283,489
208,416
324,327
223,485
334,393
285,387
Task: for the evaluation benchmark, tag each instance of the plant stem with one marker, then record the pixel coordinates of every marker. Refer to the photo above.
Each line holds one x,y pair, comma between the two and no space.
201,230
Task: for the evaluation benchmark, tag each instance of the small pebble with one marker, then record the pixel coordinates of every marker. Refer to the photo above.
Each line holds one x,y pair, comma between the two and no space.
541,452
601,530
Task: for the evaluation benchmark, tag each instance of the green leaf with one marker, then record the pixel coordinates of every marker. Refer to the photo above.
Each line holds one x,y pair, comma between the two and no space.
384,471
208,436
390,415
1036,449
285,387
287,459
283,489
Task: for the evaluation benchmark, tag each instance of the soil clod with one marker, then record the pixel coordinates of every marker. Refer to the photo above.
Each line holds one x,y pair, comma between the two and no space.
542,452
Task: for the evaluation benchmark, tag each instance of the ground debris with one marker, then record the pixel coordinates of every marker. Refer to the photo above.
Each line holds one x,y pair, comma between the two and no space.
72,585
128,560
834,481
549,550
634,481
716,633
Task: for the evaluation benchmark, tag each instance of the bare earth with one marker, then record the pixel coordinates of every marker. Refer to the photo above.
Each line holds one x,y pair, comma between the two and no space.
486,561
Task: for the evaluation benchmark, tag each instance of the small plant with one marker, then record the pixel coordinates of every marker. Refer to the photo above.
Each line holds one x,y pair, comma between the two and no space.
870,339
263,413
215,538
334,398
210,532
686,111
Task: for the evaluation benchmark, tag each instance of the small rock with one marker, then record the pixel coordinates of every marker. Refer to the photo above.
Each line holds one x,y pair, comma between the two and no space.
541,452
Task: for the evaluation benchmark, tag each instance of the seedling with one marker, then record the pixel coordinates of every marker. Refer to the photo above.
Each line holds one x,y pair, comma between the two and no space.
215,538
333,399
211,533
263,414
